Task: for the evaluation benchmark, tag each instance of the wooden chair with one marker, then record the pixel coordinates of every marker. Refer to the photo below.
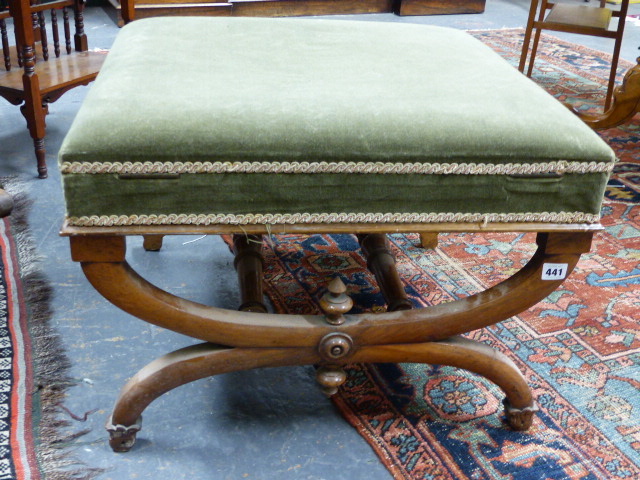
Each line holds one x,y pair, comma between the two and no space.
579,19
51,65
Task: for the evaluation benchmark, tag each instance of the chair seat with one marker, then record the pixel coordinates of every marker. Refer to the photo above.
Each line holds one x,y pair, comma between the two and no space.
580,15
56,74
271,121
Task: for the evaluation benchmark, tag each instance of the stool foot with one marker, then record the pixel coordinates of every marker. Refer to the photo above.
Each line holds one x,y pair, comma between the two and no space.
121,437
184,366
469,355
519,419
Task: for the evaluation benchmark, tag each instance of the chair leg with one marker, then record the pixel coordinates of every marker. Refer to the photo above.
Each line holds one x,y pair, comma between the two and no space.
35,112
612,78
614,67
534,51
41,154
527,35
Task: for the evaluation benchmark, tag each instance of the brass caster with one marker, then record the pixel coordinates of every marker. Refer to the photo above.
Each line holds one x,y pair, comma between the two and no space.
122,438
519,419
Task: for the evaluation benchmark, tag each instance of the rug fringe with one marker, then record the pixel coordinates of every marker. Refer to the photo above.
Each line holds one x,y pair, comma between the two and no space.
50,363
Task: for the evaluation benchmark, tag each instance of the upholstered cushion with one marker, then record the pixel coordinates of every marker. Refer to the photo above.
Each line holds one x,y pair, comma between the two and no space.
248,120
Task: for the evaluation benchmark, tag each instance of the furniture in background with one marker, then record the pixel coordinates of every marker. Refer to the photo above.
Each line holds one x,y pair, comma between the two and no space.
306,137
6,203
579,19
288,8
45,62
625,103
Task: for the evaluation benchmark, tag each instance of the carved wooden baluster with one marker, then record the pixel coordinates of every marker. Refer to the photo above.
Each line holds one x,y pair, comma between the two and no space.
67,29
249,263
5,44
382,264
36,32
19,56
44,45
80,38
335,303
54,31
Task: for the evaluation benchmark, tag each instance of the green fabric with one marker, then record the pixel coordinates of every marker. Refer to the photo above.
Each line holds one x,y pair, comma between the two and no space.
327,193
188,89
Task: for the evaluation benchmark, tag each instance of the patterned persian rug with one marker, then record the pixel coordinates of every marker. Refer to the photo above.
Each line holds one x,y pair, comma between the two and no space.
32,364
579,349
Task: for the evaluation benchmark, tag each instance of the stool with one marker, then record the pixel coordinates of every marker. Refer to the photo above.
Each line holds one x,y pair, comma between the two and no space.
249,126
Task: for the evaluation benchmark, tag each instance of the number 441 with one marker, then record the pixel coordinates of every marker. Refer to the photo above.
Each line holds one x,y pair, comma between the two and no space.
554,271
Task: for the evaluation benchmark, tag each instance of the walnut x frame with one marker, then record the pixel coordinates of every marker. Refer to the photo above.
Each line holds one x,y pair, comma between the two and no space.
240,340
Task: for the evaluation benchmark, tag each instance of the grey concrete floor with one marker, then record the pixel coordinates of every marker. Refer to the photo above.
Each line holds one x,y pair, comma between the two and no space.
266,424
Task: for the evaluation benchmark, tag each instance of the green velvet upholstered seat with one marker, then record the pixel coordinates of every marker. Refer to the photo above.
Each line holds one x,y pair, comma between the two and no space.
268,121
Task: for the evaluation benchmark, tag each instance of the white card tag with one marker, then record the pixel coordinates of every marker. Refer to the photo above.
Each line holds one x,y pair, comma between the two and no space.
554,271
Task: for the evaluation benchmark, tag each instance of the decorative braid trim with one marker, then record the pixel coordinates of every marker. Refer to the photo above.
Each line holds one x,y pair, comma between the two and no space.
329,218
558,167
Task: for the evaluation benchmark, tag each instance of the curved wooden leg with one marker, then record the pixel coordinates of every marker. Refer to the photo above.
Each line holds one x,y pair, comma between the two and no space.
184,366
625,103
331,340
204,360
104,265
469,355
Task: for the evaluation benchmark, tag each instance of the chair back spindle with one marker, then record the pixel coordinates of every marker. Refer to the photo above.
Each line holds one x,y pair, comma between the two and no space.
67,29
55,33
80,38
44,44
5,44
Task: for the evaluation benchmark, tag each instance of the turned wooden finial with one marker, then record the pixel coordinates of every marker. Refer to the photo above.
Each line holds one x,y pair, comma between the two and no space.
330,378
335,303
